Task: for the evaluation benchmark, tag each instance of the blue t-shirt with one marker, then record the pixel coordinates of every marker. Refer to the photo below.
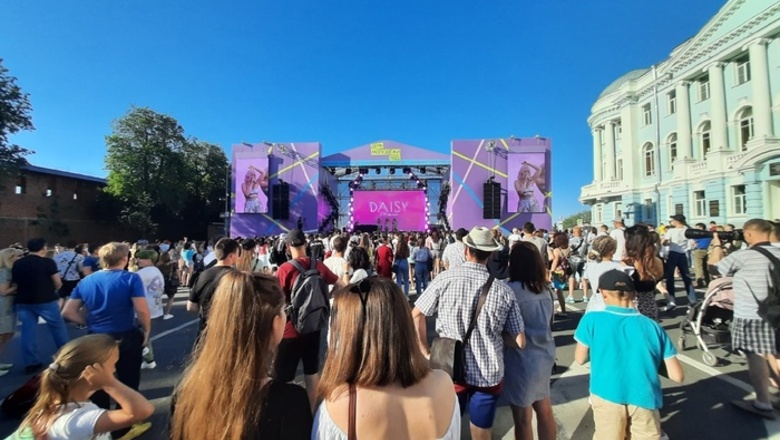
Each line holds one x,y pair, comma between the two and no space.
703,243
626,350
92,262
108,297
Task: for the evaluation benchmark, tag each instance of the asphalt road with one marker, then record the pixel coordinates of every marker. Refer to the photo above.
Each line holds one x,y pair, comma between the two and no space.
699,408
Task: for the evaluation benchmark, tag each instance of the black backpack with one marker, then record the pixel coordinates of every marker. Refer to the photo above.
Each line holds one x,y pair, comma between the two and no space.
769,308
309,299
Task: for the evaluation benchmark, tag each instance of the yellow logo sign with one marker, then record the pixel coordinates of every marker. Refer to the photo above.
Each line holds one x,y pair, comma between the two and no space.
378,149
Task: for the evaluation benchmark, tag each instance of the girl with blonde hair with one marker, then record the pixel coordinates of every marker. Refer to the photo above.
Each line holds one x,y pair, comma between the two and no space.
63,411
7,290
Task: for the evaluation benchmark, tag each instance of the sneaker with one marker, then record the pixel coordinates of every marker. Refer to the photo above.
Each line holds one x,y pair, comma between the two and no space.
585,299
136,430
6,366
167,316
669,307
148,365
570,300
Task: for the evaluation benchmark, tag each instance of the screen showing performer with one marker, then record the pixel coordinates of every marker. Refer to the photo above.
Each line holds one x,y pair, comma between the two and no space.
251,186
528,184
391,210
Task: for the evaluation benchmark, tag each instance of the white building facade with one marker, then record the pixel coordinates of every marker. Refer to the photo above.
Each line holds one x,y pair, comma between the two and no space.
697,134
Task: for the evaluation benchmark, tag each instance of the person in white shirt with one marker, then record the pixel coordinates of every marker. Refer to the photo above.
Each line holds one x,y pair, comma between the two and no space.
336,262
618,234
677,258
154,286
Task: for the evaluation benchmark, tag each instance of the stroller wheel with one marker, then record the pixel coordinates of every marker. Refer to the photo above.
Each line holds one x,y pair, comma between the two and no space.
709,359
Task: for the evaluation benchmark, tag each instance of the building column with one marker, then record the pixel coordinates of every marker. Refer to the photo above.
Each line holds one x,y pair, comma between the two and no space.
684,134
609,128
598,175
759,73
718,118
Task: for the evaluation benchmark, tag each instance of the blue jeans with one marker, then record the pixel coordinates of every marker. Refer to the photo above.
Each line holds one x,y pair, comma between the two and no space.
676,260
28,314
421,274
402,275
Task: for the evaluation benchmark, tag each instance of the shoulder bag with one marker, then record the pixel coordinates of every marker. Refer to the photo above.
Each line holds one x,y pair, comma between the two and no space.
448,354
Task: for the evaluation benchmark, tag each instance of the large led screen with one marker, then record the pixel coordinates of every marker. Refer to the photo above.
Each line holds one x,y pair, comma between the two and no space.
251,185
527,183
391,210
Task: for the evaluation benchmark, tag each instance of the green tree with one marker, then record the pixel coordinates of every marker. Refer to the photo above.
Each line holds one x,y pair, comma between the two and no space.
571,221
15,116
206,174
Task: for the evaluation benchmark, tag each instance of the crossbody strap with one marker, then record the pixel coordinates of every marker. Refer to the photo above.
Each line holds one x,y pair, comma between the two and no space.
480,304
772,259
352,434
67,269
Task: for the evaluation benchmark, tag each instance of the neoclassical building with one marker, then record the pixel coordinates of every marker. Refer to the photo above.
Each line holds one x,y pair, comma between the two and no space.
698,133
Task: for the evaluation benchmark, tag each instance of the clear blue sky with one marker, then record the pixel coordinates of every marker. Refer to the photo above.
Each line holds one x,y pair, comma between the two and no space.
340,72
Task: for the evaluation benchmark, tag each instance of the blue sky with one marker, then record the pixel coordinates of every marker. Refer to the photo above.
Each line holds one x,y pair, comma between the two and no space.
341,72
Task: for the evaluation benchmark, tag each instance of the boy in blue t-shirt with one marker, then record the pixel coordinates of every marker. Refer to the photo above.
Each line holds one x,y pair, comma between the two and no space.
625,350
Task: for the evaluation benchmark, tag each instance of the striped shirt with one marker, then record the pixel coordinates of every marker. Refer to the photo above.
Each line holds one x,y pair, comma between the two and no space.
453,295
751,272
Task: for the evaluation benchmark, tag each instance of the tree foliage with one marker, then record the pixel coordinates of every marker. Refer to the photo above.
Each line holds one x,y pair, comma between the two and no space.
166,181
571,221
15,110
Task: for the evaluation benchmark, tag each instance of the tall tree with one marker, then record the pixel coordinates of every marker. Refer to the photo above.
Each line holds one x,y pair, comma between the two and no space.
206,168
571,221
15,116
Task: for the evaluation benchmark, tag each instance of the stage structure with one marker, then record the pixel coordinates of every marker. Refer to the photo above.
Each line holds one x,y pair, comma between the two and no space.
387,185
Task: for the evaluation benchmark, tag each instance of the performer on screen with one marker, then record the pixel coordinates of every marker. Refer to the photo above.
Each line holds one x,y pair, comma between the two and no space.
524,185
255,182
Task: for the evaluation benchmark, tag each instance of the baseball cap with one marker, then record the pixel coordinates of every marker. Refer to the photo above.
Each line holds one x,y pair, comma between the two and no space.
679,217
616,280
295,238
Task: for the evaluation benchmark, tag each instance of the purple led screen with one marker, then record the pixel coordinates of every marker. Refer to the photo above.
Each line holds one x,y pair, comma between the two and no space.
527,183
252,187
395,210
474,162
294,163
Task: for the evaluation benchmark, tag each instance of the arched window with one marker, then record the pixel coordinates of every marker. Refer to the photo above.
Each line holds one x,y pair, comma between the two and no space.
620,169
705,138
745,127
671,143
649,154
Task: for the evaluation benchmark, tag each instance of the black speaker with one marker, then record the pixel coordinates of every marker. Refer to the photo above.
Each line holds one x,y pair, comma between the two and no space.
491,196
280,201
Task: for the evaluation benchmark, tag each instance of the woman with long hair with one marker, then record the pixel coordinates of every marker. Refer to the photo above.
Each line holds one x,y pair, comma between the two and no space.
422,266
560,268
375,367
247,261
401,259
230,370
62,410
435,243
7,291
642,255
527,371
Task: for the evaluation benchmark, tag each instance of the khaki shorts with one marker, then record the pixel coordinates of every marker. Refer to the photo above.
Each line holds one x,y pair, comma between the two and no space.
618,422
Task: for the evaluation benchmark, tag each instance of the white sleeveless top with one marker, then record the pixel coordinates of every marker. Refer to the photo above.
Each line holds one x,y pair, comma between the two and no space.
326,429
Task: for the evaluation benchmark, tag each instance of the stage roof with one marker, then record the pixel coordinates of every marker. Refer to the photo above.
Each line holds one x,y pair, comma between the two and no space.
385,153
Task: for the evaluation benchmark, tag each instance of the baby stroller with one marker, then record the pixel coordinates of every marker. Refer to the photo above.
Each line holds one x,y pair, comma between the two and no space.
709,320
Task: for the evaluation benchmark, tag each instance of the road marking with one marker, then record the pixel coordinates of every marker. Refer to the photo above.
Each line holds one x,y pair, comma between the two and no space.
715,373
173,330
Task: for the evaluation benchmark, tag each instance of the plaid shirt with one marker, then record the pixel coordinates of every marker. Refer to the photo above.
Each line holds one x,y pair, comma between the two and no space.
454,295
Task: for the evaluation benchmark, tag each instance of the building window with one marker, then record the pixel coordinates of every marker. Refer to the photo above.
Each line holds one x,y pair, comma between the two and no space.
647,115
620,169
618,209
699,204
738,199
714,208
743,69
704,88
671,102
597,214
671,141
21,186
745,127
48,192
648,208
649,155
75,196
618,130
678,209
705,134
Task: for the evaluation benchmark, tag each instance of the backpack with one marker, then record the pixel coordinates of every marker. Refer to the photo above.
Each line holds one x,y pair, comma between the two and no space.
309,299
769,308
20,401
565,265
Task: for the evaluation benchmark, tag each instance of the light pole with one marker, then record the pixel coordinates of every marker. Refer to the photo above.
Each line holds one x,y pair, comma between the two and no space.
226,214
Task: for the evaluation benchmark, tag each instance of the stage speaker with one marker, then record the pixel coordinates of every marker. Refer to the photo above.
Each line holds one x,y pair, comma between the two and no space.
280,201
491,196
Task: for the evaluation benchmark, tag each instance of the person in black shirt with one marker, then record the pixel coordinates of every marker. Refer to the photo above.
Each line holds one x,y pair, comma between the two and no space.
202,292
37,280
234,359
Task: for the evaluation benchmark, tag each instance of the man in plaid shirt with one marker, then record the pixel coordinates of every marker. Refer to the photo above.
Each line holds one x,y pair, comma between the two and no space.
453,297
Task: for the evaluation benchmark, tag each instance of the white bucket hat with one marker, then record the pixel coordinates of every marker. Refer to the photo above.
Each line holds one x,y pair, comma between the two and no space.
482,239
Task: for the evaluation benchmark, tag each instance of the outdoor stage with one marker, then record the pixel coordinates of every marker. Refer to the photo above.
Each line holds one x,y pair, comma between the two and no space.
389,186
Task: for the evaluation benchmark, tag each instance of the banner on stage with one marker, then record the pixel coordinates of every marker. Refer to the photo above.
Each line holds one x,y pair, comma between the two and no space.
391,210
251,180
527,183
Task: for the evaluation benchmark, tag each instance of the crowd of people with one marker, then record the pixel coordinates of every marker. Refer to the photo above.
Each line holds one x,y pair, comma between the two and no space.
267,305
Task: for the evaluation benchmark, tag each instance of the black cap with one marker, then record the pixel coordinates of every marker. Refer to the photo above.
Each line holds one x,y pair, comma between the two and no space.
295,238
460,233
679,217
616,280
